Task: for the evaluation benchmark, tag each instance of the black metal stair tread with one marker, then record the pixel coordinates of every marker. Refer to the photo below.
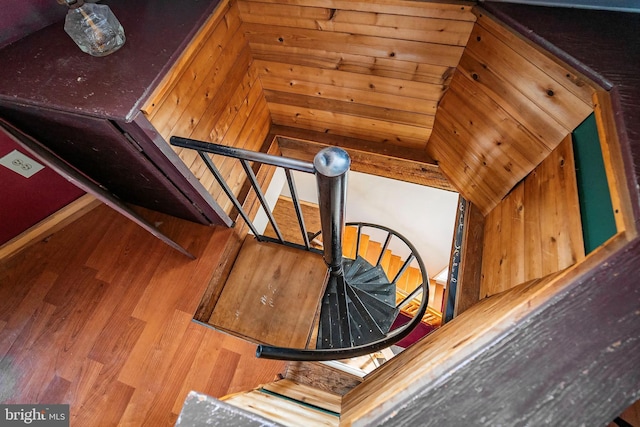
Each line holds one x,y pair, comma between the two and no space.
372,275
384,314
354,267
363,325
358,307
372,279
360,270
385,293
333,330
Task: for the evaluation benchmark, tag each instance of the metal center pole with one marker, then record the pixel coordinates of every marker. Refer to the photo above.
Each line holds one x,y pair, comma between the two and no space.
331,165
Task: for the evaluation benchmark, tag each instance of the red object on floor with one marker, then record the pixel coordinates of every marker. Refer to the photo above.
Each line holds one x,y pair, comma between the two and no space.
419,332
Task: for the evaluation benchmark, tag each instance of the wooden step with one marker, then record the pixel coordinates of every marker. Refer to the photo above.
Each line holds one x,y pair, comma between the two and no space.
364,245
282,410
385,262
349,242
373,252
323,376
394,266
402,283
306,394
271,295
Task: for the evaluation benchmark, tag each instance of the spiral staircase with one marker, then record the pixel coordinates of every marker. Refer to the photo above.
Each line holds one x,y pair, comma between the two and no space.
361,302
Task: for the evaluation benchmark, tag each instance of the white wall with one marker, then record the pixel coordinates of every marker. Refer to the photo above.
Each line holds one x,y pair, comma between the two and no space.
278,180
424,215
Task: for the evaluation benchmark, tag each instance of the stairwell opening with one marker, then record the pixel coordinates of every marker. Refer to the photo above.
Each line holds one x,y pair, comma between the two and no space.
424,214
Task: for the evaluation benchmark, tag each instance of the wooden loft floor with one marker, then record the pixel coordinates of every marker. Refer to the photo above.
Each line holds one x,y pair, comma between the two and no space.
272,295
99,316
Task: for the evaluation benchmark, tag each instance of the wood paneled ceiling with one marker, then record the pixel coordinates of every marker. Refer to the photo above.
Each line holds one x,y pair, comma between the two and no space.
370,70
437,78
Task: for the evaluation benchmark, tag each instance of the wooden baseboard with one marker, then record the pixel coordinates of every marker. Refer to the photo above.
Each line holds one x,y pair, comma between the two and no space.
49,225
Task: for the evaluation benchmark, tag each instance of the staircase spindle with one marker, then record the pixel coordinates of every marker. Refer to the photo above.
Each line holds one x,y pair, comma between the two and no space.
296,204
263,201
384,248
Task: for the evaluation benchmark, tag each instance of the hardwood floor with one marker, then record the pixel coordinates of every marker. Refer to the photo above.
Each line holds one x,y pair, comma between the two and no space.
99,316
272,295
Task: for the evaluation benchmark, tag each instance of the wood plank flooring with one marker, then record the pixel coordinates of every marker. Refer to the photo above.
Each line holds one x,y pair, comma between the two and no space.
99,316
272,295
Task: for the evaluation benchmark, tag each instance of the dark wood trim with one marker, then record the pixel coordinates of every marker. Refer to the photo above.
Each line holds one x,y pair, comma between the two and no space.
451,290
470,273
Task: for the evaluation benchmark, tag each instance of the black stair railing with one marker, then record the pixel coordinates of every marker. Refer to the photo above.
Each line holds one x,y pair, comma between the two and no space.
367,332
246,156
348,285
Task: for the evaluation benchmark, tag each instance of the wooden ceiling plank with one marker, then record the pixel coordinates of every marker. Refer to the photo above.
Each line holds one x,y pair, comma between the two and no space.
339,124
458,11
370,83
491,116
536,120
224,104
379,126
252,8
408,154
405,70
534,83
384,67
536,230
430,53
350,108
348,95
429,30
182,88
571,241
185,59
203,78
508,149
303,56
376,130
467,180
389,25
576,83
464,164
195,108
304,145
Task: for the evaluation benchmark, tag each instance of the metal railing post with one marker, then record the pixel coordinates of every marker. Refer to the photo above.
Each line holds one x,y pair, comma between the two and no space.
331,165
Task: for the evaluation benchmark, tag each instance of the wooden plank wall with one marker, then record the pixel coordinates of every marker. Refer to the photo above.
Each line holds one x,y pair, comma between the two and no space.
373,70
213,94
524,102
366,157
536,230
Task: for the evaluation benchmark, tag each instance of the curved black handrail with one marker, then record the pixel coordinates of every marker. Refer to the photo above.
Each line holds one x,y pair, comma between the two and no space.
308,355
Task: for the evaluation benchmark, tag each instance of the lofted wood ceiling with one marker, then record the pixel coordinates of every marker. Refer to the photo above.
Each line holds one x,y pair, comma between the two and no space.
428,81
369,70
440,78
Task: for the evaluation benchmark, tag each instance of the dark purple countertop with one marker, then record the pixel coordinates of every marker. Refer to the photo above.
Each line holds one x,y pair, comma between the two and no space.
47,69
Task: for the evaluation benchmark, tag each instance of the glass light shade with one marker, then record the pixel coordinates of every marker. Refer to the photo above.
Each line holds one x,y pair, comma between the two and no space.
94,28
